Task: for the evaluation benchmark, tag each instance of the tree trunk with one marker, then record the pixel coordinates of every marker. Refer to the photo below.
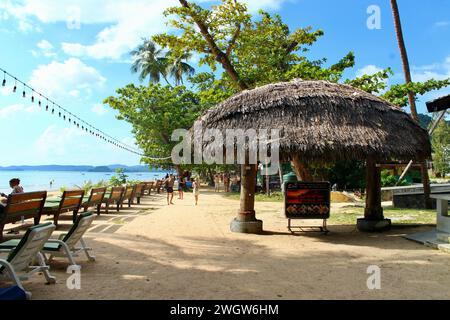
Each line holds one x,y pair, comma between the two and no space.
218,54
248,188
374,210
301,169
404,55
411,97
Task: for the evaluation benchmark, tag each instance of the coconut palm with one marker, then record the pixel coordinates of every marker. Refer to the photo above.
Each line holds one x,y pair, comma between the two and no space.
149,61
412,99
177,67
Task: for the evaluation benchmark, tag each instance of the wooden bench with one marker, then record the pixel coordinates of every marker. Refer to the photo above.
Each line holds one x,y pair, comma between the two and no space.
71,201
23,206
95,199
114,197
127,196
139,192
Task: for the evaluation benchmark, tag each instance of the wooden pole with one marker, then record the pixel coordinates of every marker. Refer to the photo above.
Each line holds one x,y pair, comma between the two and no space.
374,210
248,188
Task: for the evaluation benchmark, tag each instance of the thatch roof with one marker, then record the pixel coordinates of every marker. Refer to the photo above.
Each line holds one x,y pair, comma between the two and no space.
320,120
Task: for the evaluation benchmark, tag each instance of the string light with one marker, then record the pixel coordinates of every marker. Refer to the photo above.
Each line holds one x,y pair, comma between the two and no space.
66,115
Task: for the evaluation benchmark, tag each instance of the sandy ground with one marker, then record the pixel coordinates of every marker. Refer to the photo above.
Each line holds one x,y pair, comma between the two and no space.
154,251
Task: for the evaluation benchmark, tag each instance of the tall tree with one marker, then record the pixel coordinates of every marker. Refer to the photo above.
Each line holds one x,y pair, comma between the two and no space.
178,67
411,97
149,61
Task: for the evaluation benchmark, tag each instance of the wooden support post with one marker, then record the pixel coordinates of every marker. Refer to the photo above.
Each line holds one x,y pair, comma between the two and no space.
248,188
374,220
374,210
246,221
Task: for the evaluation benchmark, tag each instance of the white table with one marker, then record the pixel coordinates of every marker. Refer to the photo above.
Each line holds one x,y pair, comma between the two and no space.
443,219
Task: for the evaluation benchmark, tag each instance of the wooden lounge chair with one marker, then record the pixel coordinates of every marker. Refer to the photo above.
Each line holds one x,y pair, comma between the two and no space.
95,199
150,186
23,206
139,192
145,187
127,196
17,266
70,202
114,197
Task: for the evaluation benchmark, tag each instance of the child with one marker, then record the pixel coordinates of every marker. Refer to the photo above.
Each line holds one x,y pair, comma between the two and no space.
196,187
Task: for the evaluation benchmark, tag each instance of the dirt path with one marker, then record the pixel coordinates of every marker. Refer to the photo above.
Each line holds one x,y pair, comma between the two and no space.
154,251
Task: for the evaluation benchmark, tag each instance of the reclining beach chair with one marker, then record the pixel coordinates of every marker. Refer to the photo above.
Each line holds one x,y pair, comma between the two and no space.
65,246
151,185
17,266
114,197
70,202
128,196
139,192
95,199
23,206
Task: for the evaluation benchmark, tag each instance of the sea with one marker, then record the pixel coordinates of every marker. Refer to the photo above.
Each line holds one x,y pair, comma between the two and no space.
40,180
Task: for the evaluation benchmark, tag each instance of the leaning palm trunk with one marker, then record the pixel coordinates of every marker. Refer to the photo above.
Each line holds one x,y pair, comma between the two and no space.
411,97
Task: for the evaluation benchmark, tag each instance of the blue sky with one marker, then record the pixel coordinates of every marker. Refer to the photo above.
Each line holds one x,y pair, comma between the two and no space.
76,51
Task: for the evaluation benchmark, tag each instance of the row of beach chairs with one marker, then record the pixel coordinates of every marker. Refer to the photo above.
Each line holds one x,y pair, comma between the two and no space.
36,245
34,205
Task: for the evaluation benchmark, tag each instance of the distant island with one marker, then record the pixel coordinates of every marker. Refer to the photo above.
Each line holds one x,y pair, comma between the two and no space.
108,168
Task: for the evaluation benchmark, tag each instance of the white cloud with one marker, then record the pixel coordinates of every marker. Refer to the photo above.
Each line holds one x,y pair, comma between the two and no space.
16,109
369,70
69,78
128,21
57,141
99,109
46,49
438,71
441,24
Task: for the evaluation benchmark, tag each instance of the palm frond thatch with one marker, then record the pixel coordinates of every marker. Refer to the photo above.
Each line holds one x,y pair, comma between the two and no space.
324,121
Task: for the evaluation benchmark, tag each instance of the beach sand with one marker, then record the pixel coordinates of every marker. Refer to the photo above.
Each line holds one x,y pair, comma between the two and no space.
155,251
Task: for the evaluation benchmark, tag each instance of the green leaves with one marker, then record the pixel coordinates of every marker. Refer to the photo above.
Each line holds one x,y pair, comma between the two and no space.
398,94
155,112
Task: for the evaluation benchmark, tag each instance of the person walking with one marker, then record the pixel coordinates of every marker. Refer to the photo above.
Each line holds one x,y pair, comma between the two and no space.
181,185
169,184
196,189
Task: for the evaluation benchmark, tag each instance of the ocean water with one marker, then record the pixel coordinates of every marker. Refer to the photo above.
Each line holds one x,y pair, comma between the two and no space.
40,180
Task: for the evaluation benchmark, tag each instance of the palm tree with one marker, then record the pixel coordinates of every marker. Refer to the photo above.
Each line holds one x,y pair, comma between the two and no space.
411,97
177,67
149,61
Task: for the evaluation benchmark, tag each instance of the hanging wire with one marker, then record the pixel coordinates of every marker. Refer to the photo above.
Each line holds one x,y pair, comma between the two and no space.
66,114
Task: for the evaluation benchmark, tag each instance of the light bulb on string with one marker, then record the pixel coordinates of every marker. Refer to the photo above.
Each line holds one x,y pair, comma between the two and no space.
24,94
4,79
32,96
40,103
15,86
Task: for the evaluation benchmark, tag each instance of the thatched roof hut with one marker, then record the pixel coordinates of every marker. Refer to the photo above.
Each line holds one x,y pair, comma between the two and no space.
323,120
326,122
